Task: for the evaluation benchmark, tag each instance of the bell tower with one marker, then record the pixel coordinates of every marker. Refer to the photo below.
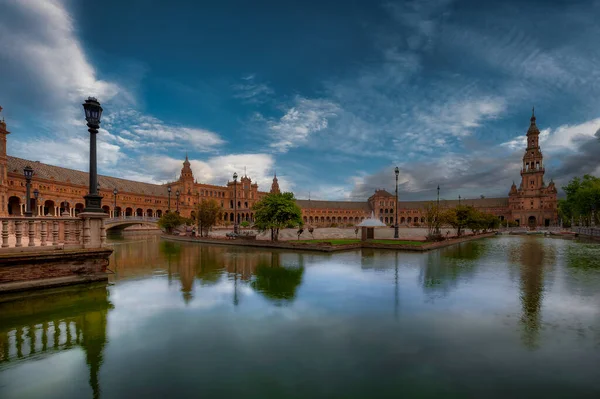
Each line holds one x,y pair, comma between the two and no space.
275,185
532,174
3,168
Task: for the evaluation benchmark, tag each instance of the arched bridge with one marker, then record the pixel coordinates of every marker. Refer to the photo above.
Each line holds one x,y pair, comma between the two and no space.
119,223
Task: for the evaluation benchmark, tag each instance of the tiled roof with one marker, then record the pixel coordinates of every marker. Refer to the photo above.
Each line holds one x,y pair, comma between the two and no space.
79,178
382,193
310,204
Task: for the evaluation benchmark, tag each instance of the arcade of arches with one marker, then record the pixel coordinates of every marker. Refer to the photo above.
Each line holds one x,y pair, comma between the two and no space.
61,192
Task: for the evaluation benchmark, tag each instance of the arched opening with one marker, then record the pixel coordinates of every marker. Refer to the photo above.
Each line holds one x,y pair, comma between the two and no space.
64,207
225,216
381,211
531,221
14,206
305,219
193,215
128,211
339,219
322,219
402,219
246,204
239,205
391,220
231,217
381,219
149,213
116,214
386,221
106,208
158,213
139,212
386,211
422,220
49,208
408,220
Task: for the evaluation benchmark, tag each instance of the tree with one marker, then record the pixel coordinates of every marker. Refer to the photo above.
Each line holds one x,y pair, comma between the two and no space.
208,212
433,221
583,200
276,211
457,217
169,221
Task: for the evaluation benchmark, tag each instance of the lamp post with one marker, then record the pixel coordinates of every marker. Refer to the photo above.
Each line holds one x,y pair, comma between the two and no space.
93,112
177,205
593,223
169,203
36,194
235,226
397,172
437,212
115,213
459,200
28,172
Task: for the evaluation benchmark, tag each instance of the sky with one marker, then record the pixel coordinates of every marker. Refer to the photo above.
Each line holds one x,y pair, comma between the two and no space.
330,95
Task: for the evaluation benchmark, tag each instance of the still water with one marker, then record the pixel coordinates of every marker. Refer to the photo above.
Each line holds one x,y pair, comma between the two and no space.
501,317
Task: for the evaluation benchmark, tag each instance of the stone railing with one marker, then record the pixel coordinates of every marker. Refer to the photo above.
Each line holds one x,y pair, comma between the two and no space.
133,219
587,231
41,232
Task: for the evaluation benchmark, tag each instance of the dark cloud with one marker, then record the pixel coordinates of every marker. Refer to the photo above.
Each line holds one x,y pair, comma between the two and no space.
585,160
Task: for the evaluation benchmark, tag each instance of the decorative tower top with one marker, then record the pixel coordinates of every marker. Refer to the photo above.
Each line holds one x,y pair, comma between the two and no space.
533,129
3,124
186,171
275,185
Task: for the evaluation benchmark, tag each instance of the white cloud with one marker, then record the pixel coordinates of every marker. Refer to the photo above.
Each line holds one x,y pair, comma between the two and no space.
146,131
219,170
305,118
251,91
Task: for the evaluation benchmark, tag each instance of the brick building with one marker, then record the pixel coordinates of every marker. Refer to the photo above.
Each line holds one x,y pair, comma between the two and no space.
62,190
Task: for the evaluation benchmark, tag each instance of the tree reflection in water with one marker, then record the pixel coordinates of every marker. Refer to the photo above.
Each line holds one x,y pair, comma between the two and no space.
61,319
276,282
446,267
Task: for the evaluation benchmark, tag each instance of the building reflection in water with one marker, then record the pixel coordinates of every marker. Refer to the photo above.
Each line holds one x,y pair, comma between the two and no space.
533,258
59,320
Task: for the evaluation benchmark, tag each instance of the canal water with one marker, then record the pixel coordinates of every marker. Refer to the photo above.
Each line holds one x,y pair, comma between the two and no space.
505,317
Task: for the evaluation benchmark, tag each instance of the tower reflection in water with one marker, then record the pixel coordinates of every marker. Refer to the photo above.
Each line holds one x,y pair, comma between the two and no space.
534,259
57,321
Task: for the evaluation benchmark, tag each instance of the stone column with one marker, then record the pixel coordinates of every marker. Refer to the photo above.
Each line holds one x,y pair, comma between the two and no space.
44,234
94,232
55,232
31,233
18,232
5,234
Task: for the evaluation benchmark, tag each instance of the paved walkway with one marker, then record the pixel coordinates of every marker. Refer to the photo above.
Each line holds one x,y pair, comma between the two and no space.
406,233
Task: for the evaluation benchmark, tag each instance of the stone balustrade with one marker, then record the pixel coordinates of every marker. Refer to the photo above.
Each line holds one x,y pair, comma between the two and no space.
587,231
23,232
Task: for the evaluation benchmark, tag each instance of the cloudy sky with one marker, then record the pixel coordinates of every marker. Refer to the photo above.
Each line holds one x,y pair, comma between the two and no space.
332,95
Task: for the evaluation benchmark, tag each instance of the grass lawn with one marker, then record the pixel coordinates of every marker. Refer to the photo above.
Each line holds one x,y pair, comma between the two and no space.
351,241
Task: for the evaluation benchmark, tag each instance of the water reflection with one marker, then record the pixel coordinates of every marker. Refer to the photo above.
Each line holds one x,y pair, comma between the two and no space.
534,258
41,325
277,283
446,267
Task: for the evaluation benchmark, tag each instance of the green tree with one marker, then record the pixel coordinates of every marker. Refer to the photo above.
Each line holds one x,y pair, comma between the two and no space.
583,200
276,211
169,221
207,212
457,217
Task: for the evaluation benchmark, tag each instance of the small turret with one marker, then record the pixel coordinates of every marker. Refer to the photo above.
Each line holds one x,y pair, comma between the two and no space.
275,185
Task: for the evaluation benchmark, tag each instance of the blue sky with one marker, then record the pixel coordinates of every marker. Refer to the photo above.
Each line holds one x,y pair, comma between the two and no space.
332,95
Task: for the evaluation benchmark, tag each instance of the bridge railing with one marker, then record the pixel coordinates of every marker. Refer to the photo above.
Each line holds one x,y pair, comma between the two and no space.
24,232
120,219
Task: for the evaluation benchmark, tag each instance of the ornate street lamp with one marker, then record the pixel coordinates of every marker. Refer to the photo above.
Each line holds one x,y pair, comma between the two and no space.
169,203
36,194
115,213
235,225
397,172
177,195
28,172
93,113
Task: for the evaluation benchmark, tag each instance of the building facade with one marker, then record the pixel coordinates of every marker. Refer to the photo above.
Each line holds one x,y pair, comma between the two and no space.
61,190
